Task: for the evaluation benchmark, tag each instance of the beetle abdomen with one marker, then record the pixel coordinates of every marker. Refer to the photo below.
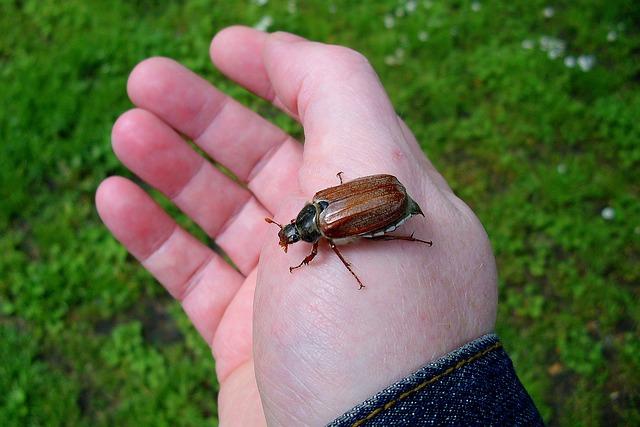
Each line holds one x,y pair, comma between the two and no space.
362,206
389,229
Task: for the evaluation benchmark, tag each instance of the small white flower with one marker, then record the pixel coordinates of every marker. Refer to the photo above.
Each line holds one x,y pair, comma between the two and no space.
261,2
586,62
554,54
411,6
561,168
612,36
548,12
389,21
396,59
292,7
608,213
476,6
390,60
553,46
423,36
264,23
399,12
527,44
569,61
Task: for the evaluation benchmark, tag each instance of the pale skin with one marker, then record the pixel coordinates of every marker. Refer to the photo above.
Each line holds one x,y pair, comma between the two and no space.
294,348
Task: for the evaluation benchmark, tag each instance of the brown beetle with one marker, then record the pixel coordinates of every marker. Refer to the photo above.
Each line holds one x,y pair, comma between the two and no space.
367,207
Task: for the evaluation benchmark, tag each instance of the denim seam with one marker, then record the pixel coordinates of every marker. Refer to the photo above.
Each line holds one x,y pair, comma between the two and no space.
425,383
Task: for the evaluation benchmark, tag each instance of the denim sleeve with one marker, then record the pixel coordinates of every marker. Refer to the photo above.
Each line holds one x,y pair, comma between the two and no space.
473,385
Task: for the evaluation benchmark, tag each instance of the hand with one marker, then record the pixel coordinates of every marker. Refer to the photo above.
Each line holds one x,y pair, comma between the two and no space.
314,344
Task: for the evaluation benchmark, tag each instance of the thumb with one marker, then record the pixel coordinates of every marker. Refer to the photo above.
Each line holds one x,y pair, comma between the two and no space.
337,96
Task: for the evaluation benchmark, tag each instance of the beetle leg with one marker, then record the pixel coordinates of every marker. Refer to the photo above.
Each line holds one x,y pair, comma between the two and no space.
308,258
339,175
408,238
346,264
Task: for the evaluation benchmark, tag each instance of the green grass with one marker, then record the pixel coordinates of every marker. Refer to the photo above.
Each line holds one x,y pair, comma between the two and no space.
537,148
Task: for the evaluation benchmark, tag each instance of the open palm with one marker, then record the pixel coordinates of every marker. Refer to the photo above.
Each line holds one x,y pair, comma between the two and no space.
297,348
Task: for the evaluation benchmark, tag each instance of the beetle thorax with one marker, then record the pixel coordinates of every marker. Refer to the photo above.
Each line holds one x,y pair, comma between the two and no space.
307,223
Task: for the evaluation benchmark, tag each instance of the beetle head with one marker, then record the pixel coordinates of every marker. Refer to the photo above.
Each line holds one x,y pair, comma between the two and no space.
287,234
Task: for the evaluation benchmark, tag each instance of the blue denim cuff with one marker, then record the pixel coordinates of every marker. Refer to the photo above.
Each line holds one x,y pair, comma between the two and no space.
473,385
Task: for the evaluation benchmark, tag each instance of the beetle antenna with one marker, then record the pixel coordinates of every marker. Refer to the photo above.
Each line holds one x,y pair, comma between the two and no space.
270,221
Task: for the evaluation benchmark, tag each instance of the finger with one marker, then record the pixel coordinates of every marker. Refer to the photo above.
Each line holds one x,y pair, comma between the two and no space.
222,208
193,274
237,52
256,151
239,401
348,118
232,344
